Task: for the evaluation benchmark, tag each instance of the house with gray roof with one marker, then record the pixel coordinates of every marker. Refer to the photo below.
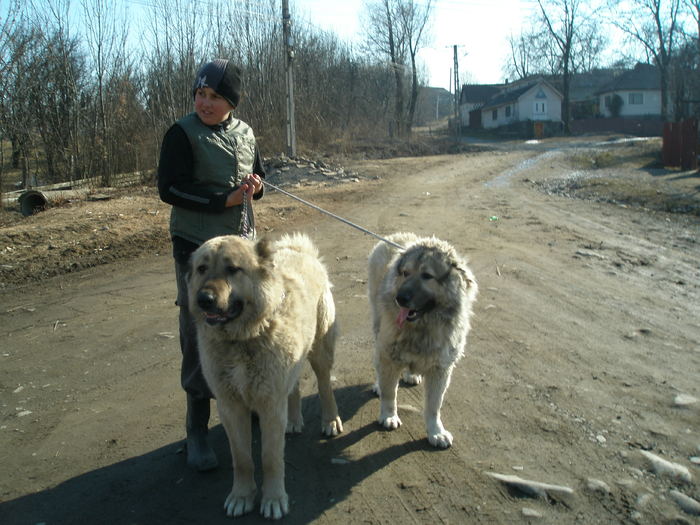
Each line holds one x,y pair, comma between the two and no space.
474,96
639,92
536,100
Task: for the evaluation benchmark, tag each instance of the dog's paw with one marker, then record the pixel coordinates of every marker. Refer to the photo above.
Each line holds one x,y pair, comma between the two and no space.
375,389
390,423
295,427
332,428
238,505
274,508
441,439
412,379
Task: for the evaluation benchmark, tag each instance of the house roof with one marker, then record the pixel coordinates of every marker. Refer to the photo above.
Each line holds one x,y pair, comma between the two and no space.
585,86
478,93
643,76
506,97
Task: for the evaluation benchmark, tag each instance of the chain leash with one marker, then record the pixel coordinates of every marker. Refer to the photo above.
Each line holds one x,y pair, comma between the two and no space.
245,229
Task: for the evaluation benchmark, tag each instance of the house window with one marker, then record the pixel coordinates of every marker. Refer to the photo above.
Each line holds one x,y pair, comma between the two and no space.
494,114
608,101
540,108
636,98
508,111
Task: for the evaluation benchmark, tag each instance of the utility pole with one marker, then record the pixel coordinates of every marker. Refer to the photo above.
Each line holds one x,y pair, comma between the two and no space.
456,71
289,53
458,89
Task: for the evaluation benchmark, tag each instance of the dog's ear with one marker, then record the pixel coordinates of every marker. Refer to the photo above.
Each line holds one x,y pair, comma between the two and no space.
263,248
466,275
400,261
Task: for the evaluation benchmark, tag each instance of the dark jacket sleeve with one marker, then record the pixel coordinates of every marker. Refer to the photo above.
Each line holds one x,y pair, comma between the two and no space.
176,185
259,169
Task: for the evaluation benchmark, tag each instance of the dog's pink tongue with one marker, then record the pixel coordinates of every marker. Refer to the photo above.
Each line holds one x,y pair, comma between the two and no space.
401,318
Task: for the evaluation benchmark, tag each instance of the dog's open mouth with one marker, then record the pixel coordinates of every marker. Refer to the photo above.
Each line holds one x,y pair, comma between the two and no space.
406,314
218,318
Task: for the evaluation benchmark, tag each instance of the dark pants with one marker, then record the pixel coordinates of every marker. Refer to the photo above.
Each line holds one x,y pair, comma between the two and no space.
191,377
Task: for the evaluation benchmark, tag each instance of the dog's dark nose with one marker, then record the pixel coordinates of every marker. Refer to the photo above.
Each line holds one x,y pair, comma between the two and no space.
404,297
205,299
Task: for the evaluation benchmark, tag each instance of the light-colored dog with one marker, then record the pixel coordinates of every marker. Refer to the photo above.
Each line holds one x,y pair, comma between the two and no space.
421,301
261,308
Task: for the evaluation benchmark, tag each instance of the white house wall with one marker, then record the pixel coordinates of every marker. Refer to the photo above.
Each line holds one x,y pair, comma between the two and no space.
553,101
650,106
501,120
464,110
524,108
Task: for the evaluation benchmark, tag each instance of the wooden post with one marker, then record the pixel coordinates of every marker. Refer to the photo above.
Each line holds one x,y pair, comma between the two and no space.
289,70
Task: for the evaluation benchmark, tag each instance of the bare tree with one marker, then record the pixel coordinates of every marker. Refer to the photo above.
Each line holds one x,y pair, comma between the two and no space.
15,39
384,40
55,78
82,103
561,18
686,66
105,34
413,19
395,31
8,31
521,60
589,47
175,37
693,8
655,25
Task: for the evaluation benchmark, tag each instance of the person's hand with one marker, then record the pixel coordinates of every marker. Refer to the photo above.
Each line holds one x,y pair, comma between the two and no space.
253,181
250,185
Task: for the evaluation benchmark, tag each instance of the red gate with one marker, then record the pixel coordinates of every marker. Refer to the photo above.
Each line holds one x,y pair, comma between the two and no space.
680,145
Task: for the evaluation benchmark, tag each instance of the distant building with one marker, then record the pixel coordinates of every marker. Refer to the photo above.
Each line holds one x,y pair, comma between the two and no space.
536,100
638,91
473,97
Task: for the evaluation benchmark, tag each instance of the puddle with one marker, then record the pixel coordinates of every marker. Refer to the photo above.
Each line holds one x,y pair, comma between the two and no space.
623,141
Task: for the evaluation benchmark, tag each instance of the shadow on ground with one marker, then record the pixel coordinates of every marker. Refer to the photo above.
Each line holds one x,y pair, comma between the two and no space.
157,488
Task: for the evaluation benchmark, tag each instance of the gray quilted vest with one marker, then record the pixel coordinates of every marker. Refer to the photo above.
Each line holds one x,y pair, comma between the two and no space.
223,155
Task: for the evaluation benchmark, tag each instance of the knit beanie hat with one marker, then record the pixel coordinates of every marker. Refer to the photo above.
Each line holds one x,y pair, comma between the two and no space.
221,76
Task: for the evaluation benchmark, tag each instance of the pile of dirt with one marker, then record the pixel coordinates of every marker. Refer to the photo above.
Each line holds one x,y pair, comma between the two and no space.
284,171
626,172
80,232
624,192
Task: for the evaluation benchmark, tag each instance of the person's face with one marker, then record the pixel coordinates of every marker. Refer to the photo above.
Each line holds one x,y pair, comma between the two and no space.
211,108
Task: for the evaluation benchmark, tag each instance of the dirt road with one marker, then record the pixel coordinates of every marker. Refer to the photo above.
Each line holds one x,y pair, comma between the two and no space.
585,351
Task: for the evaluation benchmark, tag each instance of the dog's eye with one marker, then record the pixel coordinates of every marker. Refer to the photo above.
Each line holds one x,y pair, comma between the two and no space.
426,276
201,269
231,270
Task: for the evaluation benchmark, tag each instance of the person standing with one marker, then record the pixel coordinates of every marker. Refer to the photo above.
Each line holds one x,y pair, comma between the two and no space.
210,172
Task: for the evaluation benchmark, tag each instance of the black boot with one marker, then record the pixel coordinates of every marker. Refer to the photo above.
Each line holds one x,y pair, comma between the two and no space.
200,455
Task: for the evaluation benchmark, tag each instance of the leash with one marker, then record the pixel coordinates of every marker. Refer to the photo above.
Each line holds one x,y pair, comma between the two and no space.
245,230
318,208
